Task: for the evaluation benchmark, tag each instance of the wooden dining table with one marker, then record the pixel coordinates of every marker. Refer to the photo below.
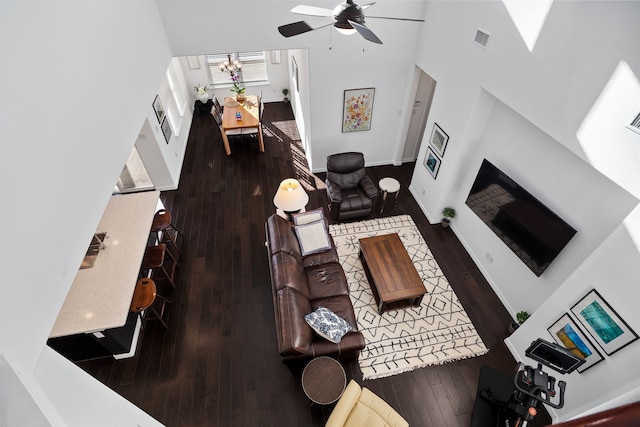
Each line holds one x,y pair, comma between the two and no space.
250,112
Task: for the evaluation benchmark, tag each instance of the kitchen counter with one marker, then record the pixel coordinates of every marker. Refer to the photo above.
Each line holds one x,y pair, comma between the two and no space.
100,296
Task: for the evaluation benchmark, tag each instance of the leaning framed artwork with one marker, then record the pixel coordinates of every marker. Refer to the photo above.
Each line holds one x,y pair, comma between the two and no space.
602,322
357,108
566,333
157,107
439,139
432,162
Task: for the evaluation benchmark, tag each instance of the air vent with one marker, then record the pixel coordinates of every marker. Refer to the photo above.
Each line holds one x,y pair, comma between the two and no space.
482,38
635,124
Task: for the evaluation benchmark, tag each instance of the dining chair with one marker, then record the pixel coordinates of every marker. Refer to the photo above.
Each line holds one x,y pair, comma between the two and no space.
216,112
254,131
216,104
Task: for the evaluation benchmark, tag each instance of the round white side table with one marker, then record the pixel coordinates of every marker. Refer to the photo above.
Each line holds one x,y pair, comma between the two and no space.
388,185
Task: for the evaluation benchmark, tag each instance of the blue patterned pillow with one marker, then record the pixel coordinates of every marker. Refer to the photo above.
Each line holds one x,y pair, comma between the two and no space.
327,324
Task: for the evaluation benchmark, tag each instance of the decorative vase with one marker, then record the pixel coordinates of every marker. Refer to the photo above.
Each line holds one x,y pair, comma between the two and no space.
203,96
240,98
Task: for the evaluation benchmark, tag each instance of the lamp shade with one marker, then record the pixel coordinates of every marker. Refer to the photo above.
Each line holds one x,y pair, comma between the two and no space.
290,196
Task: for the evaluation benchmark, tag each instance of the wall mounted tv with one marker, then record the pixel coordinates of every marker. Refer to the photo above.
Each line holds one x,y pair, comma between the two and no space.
530,229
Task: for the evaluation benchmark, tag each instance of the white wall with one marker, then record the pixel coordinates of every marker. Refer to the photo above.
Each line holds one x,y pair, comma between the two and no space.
163,159
524,111
77,83
548,170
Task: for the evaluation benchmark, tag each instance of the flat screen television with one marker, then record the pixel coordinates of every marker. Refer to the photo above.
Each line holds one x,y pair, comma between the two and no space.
530,229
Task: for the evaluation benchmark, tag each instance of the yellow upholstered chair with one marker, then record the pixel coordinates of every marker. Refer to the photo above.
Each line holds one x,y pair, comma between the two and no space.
358,406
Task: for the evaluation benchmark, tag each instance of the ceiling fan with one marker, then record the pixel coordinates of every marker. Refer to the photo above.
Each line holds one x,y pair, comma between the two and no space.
347,18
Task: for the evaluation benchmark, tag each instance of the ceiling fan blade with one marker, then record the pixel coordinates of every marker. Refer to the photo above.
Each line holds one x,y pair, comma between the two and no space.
397,19
299,27
364,6
365,32
312,11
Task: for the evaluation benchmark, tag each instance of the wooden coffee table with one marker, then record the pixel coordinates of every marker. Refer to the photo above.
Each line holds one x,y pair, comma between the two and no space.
324,380
394,281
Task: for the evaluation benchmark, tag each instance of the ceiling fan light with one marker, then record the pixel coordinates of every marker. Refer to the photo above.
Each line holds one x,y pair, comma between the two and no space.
347,31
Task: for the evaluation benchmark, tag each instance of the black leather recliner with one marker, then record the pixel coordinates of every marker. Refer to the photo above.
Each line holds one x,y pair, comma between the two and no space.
352,194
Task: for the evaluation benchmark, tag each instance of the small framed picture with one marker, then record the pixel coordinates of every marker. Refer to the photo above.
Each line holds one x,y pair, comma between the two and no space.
157,107
166,129
602,322
439,140
566,333
432,162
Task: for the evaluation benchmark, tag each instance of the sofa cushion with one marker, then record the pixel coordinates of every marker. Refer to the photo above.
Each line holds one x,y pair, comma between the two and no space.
295,333
371,411
308,216
324,257
327,324
326,280
287,272
313,237
281,238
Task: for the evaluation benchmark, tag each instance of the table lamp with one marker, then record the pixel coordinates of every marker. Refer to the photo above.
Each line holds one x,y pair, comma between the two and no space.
290,197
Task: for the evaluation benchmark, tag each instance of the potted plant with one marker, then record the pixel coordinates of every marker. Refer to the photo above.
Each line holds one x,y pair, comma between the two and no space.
239,92
285,92
447,213
203,96
237,89
521,317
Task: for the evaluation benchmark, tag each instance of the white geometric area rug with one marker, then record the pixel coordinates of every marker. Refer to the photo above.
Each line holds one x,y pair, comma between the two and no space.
437,332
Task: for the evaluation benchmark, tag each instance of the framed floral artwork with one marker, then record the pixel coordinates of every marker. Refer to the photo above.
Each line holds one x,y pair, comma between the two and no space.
439,139
357,107
432,162
566,333
157,107
602,322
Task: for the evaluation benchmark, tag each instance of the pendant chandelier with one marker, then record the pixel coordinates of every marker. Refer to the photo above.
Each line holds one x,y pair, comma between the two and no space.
230,66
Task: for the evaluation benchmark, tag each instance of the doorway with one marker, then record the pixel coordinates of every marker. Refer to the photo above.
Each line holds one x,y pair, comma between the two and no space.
134,176
421,106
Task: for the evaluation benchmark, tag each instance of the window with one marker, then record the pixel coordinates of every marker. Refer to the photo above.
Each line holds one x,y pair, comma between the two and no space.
254,68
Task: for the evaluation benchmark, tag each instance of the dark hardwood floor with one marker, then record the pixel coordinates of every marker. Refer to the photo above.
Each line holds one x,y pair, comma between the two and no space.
218,364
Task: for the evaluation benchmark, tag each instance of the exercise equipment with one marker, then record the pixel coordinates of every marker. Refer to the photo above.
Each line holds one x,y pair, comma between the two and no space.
504,403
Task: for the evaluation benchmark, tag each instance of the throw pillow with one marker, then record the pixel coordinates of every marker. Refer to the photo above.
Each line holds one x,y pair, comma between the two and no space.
313,237
327,324
309,216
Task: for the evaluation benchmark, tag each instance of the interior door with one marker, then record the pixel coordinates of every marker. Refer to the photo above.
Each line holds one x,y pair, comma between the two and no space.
419,116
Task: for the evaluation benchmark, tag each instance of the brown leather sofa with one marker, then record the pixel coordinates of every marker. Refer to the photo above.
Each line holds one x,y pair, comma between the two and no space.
301,284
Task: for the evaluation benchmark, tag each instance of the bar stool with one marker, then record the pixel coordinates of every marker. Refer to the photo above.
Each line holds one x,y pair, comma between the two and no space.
157,258
144,296
163,228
